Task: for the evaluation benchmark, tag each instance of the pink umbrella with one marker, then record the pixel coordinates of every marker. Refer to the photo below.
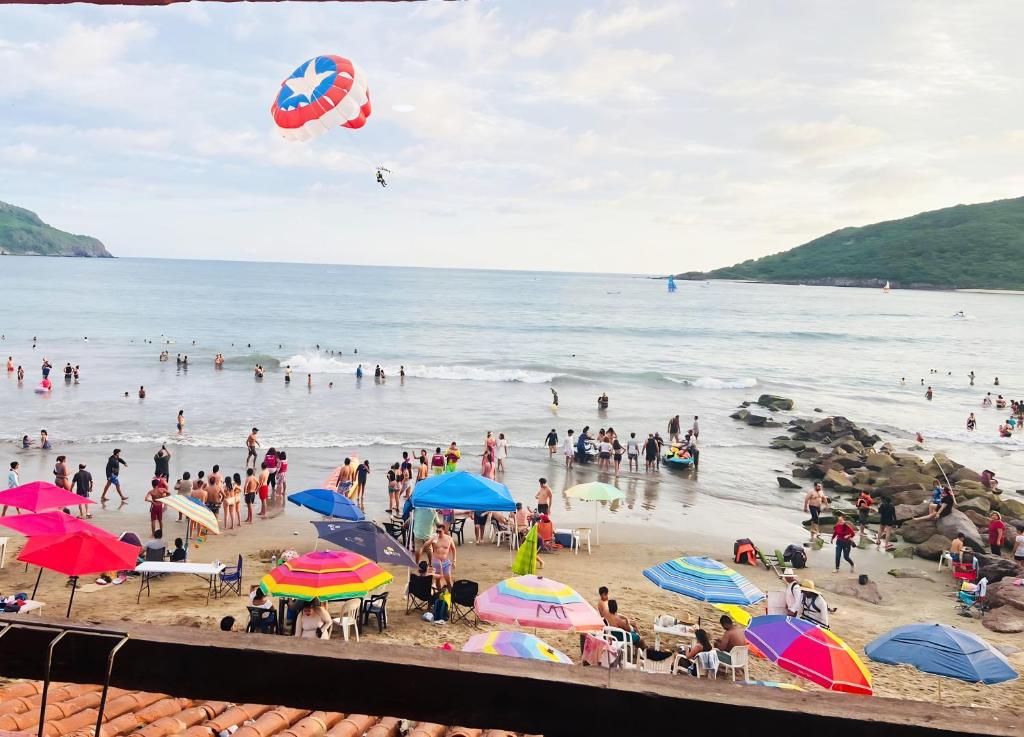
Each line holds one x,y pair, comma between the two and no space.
534,601
49,523
38,496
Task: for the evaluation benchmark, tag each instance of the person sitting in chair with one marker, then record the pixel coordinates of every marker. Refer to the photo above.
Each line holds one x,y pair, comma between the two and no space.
732,636
314,622
623,622
178,554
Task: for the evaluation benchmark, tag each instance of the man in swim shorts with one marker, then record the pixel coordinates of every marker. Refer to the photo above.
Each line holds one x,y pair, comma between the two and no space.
813,503
114,464
440,550
346,477
251,443
544,497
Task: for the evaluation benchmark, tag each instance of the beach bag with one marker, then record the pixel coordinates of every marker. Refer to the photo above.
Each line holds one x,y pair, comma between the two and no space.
743,551
796,556
441,607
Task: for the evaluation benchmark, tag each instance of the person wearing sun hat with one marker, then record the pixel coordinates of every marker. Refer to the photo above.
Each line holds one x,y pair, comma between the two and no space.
794,600
813,606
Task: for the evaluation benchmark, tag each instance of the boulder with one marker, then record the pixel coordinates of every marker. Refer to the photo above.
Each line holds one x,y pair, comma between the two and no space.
933,547
910,496
776,403
917,531
939,464
1004,619
996,568
805,473
864,477
906,512
908,460
964,474
979,520
834,479
846,460
809,452
879,461
1011,508
785,483
956,522
899,475
851,587
971,489
821,427
909,573
1006,593
755,420
978,504
901,550
739,414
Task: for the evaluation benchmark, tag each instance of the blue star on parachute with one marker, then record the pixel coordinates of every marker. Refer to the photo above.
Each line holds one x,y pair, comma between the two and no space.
304,85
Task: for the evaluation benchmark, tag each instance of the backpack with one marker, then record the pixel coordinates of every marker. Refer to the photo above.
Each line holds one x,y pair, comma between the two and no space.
441,607
743,551
796,556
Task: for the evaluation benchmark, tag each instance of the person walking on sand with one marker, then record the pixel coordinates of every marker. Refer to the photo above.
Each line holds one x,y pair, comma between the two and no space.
500,453
113,468
251,443
886,523
814,502
864,503
181,421
842,535
82,483
346,478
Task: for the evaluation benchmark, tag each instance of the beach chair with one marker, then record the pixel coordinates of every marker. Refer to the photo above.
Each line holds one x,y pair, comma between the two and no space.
706,664
740,658
419,594
398,531
621,640
377,606
231,577
507,531
261,620
965,571
456,530
946,559
463,598
972,596
156,554
349,619
669,664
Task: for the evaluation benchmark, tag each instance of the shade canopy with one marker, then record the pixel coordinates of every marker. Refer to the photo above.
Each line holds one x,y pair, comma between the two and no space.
326,575
533,601
944,651
192,509
463,490
49,523
79,553
515,645
327,502
817,654
704,579
595,491
367,539
38,496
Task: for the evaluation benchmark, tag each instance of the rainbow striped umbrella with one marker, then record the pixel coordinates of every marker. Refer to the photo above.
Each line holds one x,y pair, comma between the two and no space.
534,601
328,575
192,509
515,645
704,579
810,652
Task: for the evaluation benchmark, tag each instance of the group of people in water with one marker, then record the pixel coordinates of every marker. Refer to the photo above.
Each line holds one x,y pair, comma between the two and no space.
1015,419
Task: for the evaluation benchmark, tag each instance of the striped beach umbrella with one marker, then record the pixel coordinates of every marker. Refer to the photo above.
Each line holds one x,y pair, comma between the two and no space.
817,654
192,509
515,645
327,575
534,601
596,491
705,580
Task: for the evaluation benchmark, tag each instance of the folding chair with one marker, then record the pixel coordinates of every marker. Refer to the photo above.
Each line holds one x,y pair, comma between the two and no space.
398,531
419,594
231,577
261,620
463,598
156,554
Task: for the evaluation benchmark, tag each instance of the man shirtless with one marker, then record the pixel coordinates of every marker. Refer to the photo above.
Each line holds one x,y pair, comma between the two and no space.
814,502
440,551
251,443
346,477
251,485
264,488
544,498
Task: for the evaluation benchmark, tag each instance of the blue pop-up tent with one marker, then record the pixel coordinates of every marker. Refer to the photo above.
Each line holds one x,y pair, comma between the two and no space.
463,490
944,651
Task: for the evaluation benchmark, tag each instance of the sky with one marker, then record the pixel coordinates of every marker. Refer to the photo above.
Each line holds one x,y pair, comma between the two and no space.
638,137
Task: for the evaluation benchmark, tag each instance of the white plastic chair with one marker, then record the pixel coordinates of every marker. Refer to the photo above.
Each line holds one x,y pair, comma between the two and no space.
619,639
506,531
349,618
945,560
740,657
669,665
579,536
707,664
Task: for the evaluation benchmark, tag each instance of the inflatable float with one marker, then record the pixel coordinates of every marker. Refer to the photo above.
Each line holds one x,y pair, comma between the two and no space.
677,457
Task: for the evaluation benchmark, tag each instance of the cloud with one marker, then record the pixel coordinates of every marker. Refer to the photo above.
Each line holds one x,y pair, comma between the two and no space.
823,138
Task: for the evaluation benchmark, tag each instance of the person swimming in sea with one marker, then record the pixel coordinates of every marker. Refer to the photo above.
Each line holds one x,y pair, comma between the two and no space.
554,397
972,422
288,374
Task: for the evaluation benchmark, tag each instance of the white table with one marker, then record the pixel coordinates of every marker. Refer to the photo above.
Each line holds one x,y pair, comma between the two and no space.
207,571
683,631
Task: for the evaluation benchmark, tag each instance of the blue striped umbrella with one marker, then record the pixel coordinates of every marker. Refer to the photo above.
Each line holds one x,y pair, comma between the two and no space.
704,579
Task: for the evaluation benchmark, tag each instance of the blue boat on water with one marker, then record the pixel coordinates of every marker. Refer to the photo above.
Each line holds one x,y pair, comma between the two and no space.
671,284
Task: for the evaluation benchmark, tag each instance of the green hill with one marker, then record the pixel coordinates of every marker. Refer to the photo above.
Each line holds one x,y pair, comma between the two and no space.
22,232
963,247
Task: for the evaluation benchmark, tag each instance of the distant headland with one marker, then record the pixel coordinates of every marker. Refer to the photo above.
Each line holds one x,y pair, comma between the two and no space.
23,233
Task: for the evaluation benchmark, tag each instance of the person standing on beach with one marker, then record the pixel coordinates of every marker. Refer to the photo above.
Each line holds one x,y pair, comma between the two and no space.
162,463
263,488
886,524
544,497
500,452
842,535
437,461
181,421
452,458
863,504
82,482
552,442
696,426
650,452
60,473
249,494
633,452
406,478
251,443
362,475
569,450
424,468
996,533
692,449
346,478
440,551
673,429
814,502
113,468
156,507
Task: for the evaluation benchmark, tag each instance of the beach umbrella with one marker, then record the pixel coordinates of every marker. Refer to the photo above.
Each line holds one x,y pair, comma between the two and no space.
38,496
705,580
327,502
944,651
739,616
367,539
595,491
327,575
515,645
526,559
773,684
533,601
198,513
49,523
462,490
817,654
78,554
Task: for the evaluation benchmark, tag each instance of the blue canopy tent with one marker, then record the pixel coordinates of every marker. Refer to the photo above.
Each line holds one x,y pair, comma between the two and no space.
463,490
944,651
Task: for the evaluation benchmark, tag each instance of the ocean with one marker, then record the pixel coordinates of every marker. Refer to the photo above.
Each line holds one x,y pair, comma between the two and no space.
482,351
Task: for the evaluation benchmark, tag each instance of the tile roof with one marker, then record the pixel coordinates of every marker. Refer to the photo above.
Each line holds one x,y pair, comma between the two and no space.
71,712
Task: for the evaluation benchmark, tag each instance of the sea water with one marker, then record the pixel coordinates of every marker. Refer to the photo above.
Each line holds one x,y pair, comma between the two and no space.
482,351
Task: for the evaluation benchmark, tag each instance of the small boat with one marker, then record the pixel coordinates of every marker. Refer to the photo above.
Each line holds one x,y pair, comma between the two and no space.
885,289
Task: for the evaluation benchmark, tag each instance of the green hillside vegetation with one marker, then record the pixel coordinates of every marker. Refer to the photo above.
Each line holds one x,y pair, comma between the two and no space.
963,247
22,232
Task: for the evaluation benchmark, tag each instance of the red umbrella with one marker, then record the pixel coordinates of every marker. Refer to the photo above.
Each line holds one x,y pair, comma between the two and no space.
37,496
78,554
49,523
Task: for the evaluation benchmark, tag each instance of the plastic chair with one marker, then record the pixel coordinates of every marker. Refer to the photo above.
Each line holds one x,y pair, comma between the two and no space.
621,640
667,665
261,620
456,530
349,619
503,532
965,572
740,657
707,664
377,606
945,560
231,577
463,598
419,595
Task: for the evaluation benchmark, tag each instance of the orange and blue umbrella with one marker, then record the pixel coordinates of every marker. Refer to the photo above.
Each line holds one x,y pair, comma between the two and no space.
327,575
807,650
534,601
515,645
704,579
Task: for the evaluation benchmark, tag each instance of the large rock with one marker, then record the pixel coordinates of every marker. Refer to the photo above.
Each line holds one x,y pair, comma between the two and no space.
776,403
939,464
821,427
809,452
785,483
805,473
901,550
910,573
996,568
755,420
1011,508
851,587
1006,593
971,489
908,460
835,479
906,512
933,547
910,496
956,522
739,414
917,531
1004,619
980,520
978,504
964,474
879,461
898,475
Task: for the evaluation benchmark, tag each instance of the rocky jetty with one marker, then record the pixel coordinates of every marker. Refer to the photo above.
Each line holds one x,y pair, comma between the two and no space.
848,459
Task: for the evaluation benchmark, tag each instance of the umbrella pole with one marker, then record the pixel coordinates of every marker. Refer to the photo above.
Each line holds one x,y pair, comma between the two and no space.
36,587
74,585
597,523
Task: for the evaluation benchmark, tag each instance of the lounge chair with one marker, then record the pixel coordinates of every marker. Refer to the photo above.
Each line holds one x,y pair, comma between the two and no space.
420,593
463,598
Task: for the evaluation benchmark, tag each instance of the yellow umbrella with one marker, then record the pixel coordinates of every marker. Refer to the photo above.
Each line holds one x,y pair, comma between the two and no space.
195,511
739,616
